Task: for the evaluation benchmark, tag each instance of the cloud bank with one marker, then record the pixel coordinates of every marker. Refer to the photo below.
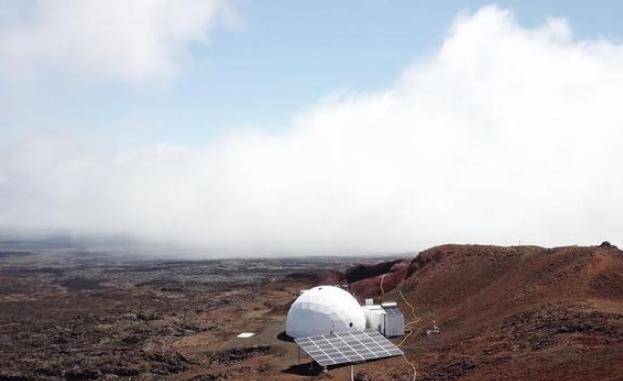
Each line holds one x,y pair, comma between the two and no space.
504,134
133,41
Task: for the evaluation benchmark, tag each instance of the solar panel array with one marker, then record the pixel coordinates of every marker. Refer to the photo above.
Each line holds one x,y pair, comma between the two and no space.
348,347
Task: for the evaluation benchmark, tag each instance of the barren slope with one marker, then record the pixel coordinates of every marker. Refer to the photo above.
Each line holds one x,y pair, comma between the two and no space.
509,312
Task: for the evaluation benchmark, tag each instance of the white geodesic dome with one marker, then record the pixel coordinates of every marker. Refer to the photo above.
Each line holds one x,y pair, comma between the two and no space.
324,309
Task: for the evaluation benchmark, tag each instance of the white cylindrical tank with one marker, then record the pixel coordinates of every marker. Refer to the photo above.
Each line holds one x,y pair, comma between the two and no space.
324,309
375,317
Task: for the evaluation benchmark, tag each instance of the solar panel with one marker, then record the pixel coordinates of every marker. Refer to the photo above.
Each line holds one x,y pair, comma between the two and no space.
348,347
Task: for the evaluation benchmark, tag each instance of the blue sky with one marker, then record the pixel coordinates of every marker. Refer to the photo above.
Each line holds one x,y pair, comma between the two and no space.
312,127
278,59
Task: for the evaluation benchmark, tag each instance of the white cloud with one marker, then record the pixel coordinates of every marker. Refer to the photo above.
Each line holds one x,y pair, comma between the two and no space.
505,134
134,40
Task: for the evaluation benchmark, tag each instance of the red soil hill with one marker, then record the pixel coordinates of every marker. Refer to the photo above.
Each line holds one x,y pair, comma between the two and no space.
521,312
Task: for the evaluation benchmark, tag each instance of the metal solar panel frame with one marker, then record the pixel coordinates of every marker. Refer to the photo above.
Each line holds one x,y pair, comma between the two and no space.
348,347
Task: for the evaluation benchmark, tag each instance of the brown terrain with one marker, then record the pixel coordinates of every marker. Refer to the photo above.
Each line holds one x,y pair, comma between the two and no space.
504,313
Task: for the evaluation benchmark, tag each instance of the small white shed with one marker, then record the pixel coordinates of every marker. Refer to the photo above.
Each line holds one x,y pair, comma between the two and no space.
385,318
375,317
394,320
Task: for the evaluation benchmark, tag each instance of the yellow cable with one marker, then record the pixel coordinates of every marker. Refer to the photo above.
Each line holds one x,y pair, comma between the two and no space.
412,366
382,278
412,321
405,338
408,304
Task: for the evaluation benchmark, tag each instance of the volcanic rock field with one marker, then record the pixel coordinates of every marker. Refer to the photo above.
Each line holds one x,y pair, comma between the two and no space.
504,313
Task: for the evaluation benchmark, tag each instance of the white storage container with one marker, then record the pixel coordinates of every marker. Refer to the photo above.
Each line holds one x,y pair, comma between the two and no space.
375,317
394,324
386,318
